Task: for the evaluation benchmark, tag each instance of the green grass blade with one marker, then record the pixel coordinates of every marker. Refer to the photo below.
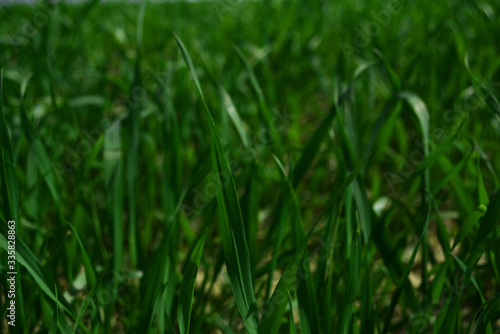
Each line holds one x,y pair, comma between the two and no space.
157,310
188,284
293,330
423,116
113,157
462,266
482,193
231,110
422,113
264,109
491,98
438,282
230,218
490,313
53,323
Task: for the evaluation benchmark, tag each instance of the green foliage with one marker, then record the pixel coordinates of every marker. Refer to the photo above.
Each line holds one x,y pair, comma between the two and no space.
274,166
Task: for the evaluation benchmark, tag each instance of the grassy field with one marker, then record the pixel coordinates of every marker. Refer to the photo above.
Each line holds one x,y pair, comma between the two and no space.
250,167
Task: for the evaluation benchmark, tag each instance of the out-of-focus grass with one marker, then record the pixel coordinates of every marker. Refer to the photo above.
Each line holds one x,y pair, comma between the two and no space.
312,178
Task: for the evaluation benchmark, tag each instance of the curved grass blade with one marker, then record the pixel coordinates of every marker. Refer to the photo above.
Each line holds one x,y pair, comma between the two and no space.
230,218
422,113
489,314
462,266
490,99
234,115
187,286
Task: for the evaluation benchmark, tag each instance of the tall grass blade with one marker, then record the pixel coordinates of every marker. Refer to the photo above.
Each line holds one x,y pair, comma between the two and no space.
135,104
231,221
113,177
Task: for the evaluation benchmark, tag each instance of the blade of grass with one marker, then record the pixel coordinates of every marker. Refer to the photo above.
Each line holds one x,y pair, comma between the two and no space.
135,104
157,309
53,324
293,330
422,113
113,157
264,109
188,284
230,218
235,116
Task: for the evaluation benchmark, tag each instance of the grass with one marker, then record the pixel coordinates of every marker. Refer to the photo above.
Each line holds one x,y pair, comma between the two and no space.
267,168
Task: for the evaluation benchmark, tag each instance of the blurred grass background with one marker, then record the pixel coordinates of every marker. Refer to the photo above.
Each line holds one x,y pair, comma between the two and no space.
122,187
